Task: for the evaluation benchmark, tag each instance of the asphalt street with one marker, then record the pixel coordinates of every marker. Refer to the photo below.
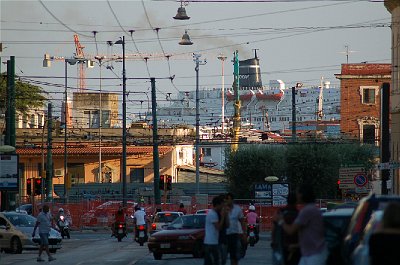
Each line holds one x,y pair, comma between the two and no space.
99,248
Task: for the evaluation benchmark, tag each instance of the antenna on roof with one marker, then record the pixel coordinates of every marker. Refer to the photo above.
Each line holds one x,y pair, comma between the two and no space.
255,53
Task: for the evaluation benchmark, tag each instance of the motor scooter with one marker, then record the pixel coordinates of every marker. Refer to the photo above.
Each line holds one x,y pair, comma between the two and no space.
63,226
120,230
141,234
251,234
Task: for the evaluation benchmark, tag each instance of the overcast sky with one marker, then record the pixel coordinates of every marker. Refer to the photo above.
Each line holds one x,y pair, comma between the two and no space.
298,41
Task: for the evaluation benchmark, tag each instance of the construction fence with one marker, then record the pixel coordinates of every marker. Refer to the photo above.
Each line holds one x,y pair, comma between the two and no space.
98,213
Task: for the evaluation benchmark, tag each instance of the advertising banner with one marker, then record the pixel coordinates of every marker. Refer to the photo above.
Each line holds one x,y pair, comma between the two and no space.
8,172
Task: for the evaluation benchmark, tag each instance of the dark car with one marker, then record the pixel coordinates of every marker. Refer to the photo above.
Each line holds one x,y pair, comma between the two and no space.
360,218
335,224
183,236
25,208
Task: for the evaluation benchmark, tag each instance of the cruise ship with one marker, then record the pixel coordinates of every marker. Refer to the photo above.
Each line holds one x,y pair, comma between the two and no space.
266,108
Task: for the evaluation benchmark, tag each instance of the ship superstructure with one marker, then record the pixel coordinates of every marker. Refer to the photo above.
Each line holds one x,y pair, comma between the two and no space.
266,108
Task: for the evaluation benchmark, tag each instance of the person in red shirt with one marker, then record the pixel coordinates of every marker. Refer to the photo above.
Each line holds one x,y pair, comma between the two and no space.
119,217
182,209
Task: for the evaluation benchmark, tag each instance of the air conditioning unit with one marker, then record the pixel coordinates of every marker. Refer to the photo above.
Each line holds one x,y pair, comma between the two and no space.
59,172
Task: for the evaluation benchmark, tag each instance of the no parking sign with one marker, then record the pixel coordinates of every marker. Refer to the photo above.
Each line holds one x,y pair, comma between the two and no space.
360,180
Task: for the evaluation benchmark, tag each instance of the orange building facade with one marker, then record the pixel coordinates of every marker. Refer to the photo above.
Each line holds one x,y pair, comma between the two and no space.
360,86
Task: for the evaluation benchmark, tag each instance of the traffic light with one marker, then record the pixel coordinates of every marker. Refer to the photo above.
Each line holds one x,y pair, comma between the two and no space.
169,182
38,186
338,190
161,183
29,186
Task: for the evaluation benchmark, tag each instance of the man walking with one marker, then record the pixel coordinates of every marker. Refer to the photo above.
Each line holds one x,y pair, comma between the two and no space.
43,221
236,232
213,225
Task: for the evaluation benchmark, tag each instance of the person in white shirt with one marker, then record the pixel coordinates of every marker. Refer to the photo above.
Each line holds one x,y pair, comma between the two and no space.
214,224
140,219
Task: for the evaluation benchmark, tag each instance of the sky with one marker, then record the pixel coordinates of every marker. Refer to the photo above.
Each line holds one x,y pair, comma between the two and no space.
297,41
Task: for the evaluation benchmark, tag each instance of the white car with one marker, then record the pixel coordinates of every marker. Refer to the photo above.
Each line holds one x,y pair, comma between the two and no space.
162,220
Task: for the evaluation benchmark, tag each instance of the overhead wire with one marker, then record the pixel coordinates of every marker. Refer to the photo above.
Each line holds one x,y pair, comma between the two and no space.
61,22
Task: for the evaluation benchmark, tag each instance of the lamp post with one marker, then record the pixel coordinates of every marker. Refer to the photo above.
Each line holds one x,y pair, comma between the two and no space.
100,174
222,58
196,59
122,42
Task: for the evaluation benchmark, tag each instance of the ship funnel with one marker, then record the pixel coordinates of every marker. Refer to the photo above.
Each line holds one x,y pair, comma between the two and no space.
250,73
185,39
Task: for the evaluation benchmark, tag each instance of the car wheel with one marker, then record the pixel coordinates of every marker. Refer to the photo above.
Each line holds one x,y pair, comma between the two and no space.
157,256
53,250
198,250
15,245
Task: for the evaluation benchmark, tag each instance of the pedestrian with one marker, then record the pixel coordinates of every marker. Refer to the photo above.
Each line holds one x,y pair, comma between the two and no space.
285,246
236,231
223,240
309,225
182,208
213,225
44,222
383,245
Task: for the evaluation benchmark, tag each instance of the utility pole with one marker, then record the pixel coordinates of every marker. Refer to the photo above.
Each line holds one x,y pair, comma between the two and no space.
294,134
385,134
156,161
236,105
196,59
49,165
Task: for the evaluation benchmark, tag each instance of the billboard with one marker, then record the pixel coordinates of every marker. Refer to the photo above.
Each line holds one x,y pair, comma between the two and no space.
275,193
8,172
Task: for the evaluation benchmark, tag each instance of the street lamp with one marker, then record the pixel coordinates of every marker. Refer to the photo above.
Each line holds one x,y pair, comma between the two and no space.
122,42
100,174
222,58
196,59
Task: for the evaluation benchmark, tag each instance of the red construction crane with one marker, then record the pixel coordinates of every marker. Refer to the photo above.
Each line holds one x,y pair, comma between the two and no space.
81,65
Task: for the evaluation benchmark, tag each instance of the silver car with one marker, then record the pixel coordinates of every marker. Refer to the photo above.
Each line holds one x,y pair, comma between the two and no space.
16,233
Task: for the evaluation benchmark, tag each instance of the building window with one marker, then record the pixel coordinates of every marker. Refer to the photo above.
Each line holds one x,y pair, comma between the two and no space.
368,94
136,175
368,134
206,151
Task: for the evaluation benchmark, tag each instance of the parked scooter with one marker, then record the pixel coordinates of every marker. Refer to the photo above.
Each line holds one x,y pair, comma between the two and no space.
63,224
252,237
141,234
120,231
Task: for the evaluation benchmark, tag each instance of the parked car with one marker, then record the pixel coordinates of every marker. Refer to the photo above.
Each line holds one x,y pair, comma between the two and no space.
336,223
360,218
202,211
361,253
183,236
16,233
162,219
25,208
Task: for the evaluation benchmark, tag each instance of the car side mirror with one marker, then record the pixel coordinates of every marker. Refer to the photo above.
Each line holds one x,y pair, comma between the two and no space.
8,226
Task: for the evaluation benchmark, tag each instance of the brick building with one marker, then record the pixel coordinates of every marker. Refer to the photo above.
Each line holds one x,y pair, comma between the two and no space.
360,98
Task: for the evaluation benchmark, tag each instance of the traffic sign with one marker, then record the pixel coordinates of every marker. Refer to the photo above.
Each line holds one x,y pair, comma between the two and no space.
360,180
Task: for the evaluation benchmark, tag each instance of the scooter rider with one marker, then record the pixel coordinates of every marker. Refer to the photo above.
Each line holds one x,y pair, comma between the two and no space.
140,218
253,219
119,218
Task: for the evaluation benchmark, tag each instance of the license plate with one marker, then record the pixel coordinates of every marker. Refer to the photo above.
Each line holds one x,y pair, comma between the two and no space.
141,233
251,233
165,245
120,231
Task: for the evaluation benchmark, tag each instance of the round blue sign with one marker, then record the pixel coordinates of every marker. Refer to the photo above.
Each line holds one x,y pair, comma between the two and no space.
360,180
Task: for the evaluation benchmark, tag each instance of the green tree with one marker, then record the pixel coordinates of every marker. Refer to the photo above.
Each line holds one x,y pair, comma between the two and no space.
316,164
27,96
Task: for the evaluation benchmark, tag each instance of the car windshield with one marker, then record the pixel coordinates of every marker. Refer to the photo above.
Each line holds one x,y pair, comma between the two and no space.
165,217
21,220
189,221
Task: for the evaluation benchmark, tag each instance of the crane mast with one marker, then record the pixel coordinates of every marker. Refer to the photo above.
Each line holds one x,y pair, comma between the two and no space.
81,64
